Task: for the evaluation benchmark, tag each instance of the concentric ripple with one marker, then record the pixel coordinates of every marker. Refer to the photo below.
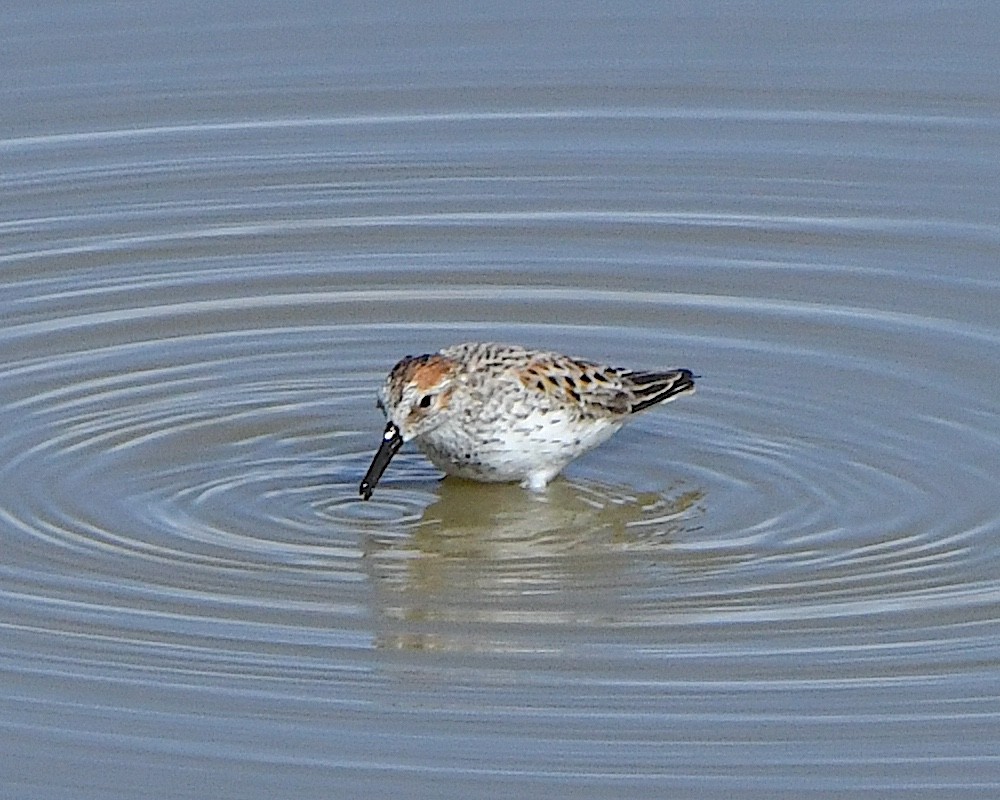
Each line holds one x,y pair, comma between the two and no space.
240,448
192,344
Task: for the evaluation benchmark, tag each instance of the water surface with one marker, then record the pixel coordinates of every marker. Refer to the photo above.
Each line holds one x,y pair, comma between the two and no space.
220,230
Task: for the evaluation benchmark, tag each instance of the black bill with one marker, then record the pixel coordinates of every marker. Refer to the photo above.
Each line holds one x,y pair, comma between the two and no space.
391,442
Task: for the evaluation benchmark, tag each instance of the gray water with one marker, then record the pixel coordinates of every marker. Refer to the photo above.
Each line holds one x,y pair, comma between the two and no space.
221,226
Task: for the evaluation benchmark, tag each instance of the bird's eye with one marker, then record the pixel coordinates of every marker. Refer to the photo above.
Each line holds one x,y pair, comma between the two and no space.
425,401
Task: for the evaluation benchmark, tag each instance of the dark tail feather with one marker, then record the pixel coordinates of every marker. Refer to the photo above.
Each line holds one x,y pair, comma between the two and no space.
651,388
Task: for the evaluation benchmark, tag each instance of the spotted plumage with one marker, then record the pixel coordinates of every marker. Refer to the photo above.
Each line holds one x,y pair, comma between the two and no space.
495,412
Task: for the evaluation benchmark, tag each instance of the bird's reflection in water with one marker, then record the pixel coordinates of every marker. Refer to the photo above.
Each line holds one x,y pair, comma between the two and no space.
490,566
